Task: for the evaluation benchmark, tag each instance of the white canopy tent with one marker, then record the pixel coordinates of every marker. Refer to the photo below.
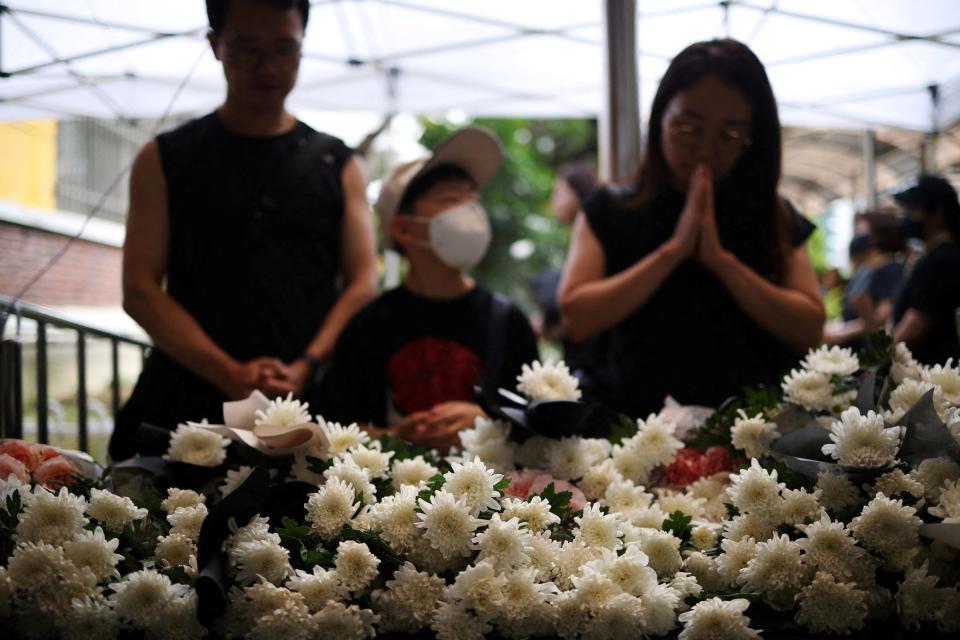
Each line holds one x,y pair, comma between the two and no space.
848,63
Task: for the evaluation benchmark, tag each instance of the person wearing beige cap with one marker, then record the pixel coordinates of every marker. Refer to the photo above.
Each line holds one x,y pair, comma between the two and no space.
409,361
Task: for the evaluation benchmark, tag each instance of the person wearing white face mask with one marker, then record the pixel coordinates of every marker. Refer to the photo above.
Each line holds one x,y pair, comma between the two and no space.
408,362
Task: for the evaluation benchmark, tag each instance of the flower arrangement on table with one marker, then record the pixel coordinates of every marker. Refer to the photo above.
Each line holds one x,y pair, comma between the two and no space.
824,507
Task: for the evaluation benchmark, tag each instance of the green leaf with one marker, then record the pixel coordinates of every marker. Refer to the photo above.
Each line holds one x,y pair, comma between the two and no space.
625,427
434,484
293,530
502,484
318,465
559,502
678,523
316,556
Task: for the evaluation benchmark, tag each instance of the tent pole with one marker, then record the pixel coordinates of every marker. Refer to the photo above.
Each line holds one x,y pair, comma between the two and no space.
929,159
870,168
3,10
620,117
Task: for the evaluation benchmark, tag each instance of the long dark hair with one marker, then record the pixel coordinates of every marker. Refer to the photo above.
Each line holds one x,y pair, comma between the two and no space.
757,173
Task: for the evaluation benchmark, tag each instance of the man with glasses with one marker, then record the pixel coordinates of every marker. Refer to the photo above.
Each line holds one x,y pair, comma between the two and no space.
249,240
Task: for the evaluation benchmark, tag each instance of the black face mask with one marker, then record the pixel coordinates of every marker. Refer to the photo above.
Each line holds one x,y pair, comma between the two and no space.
911,228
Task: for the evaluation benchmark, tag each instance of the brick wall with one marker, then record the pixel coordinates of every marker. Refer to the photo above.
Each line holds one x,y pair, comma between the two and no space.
87,275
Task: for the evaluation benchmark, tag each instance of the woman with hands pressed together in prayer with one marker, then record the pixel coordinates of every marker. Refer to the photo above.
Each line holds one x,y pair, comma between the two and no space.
698,267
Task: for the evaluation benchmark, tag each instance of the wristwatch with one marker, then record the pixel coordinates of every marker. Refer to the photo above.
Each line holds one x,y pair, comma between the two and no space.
318,367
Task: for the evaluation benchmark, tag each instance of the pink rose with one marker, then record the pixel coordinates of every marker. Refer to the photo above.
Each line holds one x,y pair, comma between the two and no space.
55,473
528,482
10,466
25,452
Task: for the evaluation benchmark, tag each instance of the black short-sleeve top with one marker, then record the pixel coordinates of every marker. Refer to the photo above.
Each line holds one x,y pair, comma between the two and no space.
690,340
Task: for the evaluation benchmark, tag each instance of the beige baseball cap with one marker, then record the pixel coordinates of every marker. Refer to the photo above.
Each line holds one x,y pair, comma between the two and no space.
476,150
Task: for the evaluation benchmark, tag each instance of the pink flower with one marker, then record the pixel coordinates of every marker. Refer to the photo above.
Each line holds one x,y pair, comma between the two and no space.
10,466
528,482
27,453
53,473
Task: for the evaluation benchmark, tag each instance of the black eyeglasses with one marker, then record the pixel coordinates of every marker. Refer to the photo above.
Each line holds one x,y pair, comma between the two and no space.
728,140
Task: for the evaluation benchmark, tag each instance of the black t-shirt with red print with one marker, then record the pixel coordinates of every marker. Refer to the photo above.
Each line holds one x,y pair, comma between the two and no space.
406,353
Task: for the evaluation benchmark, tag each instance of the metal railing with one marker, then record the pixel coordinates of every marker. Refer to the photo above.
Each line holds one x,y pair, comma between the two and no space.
11,369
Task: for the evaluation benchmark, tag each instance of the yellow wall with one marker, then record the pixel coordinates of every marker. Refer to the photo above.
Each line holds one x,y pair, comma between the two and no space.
28,162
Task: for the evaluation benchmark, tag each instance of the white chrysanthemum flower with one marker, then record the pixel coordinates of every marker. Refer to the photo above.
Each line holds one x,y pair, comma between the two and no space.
748,525
571,617
535,512
597,478
523,596
196,445
302,469
260,558
660,605
594,590
11,485
656,436
142,597
703,537
456,622
233,479
43,576
908,393
946,377
685,502
180,620
629,571
598,529
618,619
736,555
833,361
356,565
337,621
372,458
92,550
663,550
572,556
704,569
948,503
113,511
933,473
623,496
176,549
418,591
475,483
89,618
809,389
256,530
829,606
836,491
890,528
448,523
354,475
342,438
543,556
568,458
500,456
395,519
506,543
479,587
918,598
484,431
188,520
413,471
829,546
904,365
686,584
331,507
863,441
895,482
548,382
799,506
177,498
284,412
317,588
755,490
248,604
51,517
777,570
715,618
753,435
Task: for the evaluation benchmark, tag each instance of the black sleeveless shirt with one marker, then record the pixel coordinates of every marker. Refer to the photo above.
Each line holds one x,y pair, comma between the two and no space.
254,254
691,339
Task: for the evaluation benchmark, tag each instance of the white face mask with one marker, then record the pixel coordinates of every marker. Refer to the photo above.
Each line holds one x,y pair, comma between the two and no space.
459,235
